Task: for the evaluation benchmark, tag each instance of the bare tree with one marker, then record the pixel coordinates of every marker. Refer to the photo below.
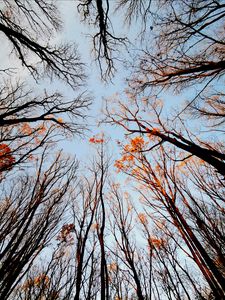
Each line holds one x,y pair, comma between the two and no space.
28,27
31,209
105,42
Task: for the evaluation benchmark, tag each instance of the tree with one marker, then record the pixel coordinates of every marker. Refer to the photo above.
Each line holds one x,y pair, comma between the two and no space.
29,121
31,210
28,26
159,234
35,189
134,123
186,49
105,42
164,148
169,197
188,44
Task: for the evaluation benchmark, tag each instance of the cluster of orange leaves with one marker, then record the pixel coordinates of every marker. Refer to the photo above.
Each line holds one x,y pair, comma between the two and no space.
28,130
112,267
60,120
142,218
6,158
41,280
65,233
136,145
156,242
37,131
95,140
120,163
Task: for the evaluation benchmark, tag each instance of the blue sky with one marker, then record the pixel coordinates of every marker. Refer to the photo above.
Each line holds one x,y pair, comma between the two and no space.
76,32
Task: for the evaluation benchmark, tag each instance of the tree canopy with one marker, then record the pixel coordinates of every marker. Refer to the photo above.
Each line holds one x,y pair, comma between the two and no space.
146,219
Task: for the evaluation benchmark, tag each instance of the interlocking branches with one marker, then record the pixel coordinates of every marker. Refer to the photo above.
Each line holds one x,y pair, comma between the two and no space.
25,23
28,122
105,42
133,123
31,209
189,45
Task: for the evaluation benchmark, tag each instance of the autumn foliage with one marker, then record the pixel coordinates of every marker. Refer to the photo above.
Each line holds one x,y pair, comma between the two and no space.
96,140
141,217
6,157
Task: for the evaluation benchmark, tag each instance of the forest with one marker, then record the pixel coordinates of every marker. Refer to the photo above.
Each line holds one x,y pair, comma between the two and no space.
112,153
